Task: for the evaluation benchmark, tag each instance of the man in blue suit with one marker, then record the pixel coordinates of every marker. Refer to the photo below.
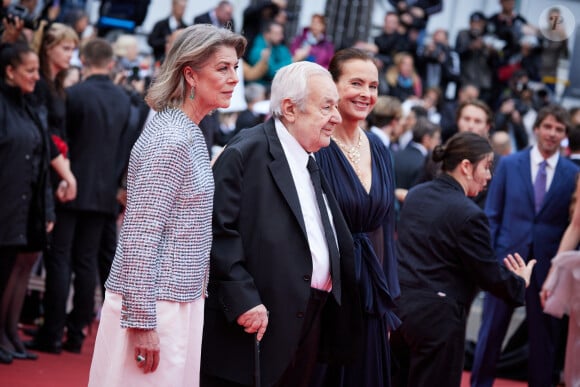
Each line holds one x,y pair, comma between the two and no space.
528,207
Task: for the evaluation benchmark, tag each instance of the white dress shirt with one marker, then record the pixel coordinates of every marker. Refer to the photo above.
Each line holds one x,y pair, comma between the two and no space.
297,159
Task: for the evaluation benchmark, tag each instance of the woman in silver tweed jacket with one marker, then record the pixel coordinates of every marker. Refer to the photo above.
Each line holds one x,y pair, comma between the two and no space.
152,318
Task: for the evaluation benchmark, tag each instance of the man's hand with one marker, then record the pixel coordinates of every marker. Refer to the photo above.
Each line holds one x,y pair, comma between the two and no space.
12,29
255,320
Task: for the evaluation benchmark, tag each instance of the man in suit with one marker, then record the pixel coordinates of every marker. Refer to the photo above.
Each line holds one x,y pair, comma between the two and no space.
275,270
221,16
528,207
97,117
409,162
448,123
165,27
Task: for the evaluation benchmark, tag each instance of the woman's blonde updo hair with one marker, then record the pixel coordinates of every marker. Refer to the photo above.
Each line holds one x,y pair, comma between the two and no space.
193,47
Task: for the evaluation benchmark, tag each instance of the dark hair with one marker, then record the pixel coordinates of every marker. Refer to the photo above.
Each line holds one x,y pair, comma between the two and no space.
423,128
479,104
420,111
97,53
574,139
461,146
337,61
72,17
267,27
558,112
12,54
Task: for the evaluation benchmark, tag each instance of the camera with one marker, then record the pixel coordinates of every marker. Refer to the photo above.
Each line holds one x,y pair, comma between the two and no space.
17,11
133,74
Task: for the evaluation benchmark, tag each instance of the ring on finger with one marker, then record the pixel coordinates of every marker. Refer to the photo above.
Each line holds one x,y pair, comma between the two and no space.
140,358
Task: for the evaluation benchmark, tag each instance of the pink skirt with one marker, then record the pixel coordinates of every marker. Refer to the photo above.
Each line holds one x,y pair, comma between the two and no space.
179,326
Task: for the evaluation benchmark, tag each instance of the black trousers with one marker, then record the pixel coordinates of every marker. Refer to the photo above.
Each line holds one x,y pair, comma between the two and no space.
76,239
301,368
428,348
107,250
7,260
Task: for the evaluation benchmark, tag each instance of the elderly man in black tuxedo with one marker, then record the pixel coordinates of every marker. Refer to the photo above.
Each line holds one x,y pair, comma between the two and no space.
282,255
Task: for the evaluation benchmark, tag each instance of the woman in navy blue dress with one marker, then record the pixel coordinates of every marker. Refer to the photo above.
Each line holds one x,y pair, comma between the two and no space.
358,168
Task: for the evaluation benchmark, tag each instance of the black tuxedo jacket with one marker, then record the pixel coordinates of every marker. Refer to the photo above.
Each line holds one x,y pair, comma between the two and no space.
97,117
260,255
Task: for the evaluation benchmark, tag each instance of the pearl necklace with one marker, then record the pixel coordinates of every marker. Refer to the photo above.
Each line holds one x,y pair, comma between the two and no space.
352,153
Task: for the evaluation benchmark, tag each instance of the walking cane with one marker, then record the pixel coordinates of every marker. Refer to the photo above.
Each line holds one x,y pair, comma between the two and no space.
257,377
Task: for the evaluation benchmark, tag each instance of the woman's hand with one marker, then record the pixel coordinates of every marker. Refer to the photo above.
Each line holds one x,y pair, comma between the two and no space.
67,190
146,348
544,295
516,264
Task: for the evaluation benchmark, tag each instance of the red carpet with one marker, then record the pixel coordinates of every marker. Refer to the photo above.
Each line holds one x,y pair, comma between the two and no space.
71,370
65,370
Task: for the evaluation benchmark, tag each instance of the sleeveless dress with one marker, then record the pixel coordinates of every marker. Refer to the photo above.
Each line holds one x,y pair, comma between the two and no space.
371,220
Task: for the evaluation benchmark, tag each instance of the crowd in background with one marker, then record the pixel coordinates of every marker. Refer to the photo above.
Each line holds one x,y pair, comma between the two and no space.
494,80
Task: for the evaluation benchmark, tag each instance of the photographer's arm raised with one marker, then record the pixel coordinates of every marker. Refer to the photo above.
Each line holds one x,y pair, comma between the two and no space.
12,30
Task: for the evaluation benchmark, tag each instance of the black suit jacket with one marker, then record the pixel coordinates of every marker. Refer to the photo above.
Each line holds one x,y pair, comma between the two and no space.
158,37
204,18
97,117
260,255
408,165
444,245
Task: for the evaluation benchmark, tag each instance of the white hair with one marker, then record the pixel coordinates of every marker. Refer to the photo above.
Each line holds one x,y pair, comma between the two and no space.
291,82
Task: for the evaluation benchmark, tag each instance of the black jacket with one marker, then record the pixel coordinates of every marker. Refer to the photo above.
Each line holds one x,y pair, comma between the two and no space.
27,202
97,116
158,37
260,254
445,245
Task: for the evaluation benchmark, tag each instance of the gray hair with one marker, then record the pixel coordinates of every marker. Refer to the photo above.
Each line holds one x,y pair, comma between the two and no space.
292,82
254,92
192,48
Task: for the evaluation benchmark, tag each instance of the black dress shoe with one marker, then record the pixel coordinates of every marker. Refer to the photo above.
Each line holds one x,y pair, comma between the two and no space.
32,332
36,345
72,345
24,355
5,356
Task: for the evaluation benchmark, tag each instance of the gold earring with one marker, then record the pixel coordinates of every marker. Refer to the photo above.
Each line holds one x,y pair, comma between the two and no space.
192,94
